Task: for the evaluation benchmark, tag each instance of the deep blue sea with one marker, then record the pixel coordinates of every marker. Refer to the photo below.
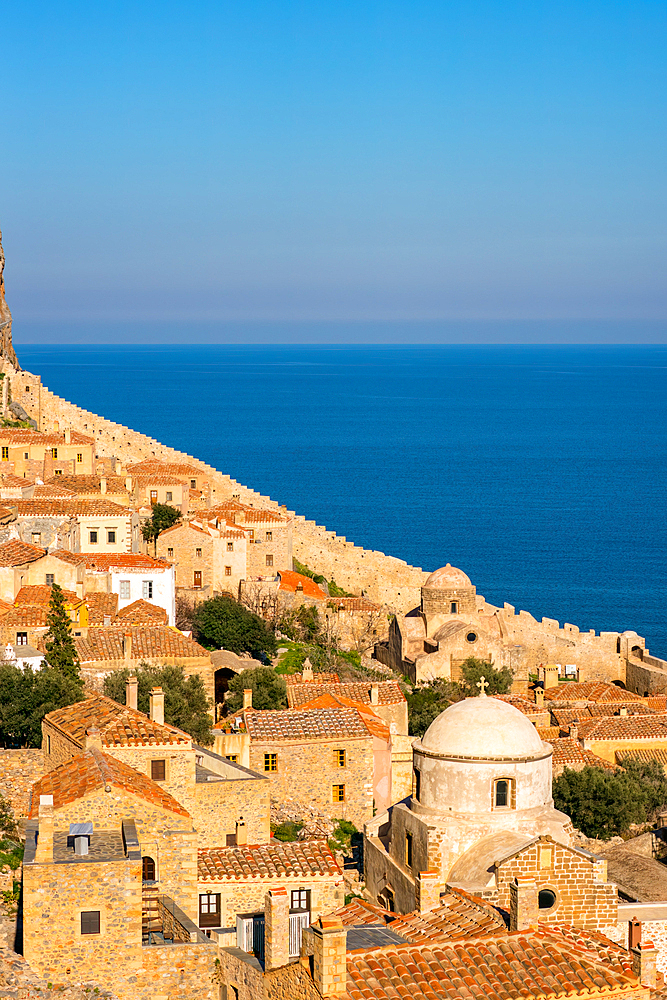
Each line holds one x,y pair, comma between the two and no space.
539,470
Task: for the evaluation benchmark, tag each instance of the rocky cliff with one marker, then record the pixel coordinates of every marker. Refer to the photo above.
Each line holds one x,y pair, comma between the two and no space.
6,347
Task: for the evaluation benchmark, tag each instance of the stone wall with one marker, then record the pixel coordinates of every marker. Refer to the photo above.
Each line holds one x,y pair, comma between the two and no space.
19,769
247,895
307,772
385,579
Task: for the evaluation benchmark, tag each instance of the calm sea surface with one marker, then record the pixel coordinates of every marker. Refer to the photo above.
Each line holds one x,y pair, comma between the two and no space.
540,471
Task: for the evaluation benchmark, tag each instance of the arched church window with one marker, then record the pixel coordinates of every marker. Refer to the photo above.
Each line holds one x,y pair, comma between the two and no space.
454,608
503,793
147,870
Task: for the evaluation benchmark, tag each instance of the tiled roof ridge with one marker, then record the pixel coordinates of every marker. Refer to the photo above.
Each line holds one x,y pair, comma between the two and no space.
119,711
275,859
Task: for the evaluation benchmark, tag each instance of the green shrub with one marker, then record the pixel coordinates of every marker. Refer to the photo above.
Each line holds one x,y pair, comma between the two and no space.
287,832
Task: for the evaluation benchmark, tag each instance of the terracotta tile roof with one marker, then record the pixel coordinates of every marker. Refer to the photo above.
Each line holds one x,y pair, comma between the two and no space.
267,861
4,607
374,724
589,691
38,595
548,733
353,604
320,678
64,507
101,606
50,492
17,553
389,691
628,727
361,911
11,481
525,964
119,725
88,484
187,526
569,752
459,916
26,616
564,717
74,558
167,468
659,754
147,641
231,510
91,771
142,613
273,726
25,436
523,705
146,479
104,562
289,582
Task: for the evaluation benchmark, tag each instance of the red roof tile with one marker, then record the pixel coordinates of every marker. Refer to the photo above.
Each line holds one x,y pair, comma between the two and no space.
148,642
64,507
289,582
91,771
625,727
25,616
328,724
389,692
17,553
106,561
101,606
589,691
569,752
300,859
319,678
38,595
118,724
142,613
24,436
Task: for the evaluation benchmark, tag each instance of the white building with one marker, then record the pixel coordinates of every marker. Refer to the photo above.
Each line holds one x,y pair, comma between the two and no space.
134,576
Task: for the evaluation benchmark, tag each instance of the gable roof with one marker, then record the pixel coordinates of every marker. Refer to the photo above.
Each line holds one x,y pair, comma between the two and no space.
74,558
25,616
373,723
119,725
100,606
329,724
39,595
17,553
148,641
20,435
142,612
459,915
625,727
589,691
318,678
88,483
64,507
389,692
290,580
104,562
267,861
179,469
92,771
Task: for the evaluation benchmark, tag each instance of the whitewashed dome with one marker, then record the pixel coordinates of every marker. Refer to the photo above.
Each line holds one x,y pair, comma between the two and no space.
447,578
484,728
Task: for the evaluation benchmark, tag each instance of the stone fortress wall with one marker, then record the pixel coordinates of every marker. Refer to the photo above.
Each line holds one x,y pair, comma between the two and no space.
383,578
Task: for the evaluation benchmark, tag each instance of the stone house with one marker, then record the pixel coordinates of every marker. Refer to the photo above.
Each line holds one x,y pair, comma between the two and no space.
269,534
334,759
159,487
208,560
118,489
235,880
57,566
15,560
195,477
611,735
221,797
15,487
78,525
385,698
33,455
134,577
102,650
95,905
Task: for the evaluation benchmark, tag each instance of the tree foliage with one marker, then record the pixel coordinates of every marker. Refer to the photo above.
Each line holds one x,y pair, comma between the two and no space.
497,681
268,689
427,701
185,703
26,696
61,652
605,803
163,516
223,623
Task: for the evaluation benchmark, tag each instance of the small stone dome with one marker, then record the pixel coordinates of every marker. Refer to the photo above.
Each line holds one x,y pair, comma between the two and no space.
447,578
483,727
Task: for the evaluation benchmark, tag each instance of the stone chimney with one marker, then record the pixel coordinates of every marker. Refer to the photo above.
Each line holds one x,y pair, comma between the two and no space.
276,929
157,705
68,436
44,851
128,483
241,832
644,958
127,646
623,711
307,670
329,958
247,698
523,904
93,739
573,731
375,694
103,484
428,891
132,692
539,697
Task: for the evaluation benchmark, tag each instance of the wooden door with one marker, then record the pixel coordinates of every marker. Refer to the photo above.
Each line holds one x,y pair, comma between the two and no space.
197,578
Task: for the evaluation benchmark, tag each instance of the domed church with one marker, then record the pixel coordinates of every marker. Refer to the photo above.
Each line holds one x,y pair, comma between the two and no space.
480,814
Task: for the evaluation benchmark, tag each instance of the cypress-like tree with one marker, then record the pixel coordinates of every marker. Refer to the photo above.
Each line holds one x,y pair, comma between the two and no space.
60,649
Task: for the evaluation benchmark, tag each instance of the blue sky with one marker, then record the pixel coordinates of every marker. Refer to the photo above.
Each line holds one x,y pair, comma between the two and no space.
277,161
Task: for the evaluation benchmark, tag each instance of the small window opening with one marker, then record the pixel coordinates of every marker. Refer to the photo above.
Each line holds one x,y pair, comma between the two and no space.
408,850
158,770
90,921
454,608
418,783
147,870
546,899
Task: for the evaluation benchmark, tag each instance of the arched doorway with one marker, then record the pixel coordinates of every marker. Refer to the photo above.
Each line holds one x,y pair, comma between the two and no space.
147,870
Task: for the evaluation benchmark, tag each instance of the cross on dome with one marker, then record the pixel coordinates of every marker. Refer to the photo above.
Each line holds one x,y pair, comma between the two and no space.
482,684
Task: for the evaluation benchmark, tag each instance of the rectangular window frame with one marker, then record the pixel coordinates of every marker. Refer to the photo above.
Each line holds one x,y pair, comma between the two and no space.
111,536
340,758
338,793
159,769
124,590
228,570
50,579
79,457
90,922
92,536
5,453
170,553
269,561
230,546
21,639
147,590
270,763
